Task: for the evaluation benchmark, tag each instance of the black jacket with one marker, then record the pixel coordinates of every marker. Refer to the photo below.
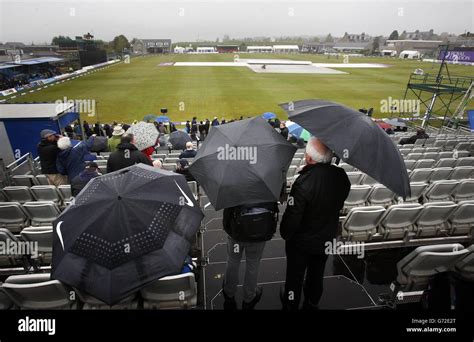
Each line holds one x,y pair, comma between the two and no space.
125,156
80,181
312,213
48,152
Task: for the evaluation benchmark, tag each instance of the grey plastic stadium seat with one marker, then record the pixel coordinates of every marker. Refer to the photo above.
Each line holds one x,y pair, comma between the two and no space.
296,161
41,213
417,190
410,164
440,190
172,292
46,193
446,162
424,163
381,195
92,303
355,177
19,194
431,155
42,180
194,188
462,154
462,146
450,144
361,223
37,291
465,266
464,191
432,149
420,142
399,220
468,161
441,173
405,151
417,268
169,166
414,156
12,216
420,175
367,180
433,220
41,235
9,259
462,172
65,191
462,219
439,143
357,196
24,180
430,142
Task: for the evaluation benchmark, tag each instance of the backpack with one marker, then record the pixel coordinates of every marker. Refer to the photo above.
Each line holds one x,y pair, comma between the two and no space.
253,224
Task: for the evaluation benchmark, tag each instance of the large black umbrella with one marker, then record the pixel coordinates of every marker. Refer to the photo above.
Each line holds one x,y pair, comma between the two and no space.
178,140
124,230
355,138
243,162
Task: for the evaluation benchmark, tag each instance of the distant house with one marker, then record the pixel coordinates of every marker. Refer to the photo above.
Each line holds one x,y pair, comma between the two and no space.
206,49
353,42
417,35
422,46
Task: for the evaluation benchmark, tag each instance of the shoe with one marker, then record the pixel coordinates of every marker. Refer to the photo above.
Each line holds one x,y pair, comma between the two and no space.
229,302
251,305
308,306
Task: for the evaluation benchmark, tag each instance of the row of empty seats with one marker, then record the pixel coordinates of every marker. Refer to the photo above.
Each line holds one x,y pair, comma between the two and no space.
409,220
59,195
16,216
378,194
39,291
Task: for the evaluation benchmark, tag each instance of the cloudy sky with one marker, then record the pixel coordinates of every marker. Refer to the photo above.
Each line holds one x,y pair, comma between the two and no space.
188,20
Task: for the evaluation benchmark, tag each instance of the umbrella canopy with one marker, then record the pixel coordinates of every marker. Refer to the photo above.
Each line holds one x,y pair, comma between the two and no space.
145,134
178,140
397,122
355,138
297,131
162,118
243,162
141,232
269,115
149,117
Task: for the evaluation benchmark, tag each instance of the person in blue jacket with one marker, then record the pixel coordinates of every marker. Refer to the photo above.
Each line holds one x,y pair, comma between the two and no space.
71,161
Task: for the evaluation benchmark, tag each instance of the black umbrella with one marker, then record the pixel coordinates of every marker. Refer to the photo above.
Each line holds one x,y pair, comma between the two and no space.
178,140
124,230
355,138
243,162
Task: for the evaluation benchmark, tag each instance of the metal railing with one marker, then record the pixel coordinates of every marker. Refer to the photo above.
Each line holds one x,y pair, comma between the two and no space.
23,165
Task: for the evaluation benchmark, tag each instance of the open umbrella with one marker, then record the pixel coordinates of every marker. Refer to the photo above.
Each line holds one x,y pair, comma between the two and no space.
243,162
145,134
162,118
124,230
178,140
269,115
297,131
355,138
149,117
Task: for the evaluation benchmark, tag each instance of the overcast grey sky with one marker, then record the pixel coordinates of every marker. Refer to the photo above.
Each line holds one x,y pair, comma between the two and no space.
39,20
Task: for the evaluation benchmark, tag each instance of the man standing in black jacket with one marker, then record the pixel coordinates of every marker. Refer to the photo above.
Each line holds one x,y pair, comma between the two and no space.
126,155
310,220
48,152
